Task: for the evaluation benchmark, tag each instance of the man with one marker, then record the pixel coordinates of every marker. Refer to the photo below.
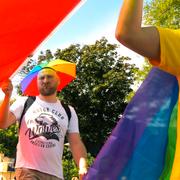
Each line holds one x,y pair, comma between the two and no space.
160,45
42,132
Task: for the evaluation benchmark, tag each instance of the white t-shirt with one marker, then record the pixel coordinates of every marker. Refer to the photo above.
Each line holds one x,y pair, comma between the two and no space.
41,136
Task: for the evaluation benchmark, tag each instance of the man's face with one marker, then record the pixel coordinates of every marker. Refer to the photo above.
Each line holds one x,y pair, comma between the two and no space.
47,82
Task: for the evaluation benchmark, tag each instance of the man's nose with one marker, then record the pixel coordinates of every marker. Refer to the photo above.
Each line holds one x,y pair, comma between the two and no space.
46,79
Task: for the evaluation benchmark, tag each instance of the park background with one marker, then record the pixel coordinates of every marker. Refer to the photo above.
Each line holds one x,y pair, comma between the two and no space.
108,74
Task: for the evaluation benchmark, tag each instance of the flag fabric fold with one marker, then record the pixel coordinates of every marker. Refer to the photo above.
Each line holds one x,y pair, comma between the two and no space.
136,148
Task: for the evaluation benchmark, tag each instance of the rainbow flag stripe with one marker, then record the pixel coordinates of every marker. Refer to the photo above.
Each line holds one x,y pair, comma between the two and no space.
143,143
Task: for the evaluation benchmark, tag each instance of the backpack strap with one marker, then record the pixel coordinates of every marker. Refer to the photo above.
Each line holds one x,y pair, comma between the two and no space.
67,109
29,101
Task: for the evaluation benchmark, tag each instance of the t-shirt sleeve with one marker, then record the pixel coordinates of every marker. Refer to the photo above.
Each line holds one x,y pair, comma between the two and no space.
169,51
17,107
73,124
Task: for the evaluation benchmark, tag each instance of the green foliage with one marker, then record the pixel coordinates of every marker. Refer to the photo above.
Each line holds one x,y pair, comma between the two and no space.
69,167
142,73
8,141
28,67
47,56
18,89
165,13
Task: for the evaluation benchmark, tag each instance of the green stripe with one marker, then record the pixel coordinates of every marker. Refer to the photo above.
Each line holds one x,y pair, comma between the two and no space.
171,146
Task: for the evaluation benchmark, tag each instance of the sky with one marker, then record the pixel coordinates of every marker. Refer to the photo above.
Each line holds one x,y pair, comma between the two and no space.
88,23
94,19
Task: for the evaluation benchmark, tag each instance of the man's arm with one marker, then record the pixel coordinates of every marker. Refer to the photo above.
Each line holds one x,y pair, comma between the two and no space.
79,152
129,32
6,117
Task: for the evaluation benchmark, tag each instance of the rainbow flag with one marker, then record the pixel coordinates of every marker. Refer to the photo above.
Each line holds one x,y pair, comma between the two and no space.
142,145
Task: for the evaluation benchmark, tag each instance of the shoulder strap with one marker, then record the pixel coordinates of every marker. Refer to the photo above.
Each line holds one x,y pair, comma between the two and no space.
29,101
67,109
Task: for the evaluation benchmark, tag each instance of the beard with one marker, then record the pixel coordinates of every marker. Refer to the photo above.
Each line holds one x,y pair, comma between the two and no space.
47,91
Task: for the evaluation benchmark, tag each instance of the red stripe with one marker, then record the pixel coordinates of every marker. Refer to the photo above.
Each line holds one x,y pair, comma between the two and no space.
24,25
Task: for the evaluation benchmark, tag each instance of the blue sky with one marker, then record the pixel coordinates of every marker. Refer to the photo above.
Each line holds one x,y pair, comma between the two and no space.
94,19
90,22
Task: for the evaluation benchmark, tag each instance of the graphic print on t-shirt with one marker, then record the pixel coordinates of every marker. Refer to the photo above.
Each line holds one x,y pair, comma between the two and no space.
45,125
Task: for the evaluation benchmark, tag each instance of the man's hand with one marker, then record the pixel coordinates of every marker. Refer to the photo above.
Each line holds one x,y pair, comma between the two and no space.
79,153
6,117
82,172
7,87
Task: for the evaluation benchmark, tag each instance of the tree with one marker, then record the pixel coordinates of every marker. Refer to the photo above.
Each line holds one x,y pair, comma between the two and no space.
69,166
47,56
165,13
99,91
8,141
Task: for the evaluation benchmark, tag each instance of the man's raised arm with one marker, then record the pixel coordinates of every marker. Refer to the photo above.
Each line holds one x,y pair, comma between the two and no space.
6,117
129,32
